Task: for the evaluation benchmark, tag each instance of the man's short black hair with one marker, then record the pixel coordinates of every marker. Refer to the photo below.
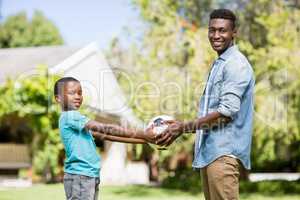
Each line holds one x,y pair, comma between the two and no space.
61,82
223,14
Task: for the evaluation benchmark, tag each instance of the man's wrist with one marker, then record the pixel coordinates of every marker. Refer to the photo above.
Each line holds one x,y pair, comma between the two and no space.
188,127
183,127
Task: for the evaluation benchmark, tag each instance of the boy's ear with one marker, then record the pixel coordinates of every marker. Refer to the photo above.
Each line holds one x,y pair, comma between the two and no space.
57,99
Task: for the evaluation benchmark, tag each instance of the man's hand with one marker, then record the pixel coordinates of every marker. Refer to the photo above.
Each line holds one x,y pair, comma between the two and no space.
174,130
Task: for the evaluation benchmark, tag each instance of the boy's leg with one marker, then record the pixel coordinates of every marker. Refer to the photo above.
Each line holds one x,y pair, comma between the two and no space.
81,187
203,172
89,188
71,186
223,178
96,188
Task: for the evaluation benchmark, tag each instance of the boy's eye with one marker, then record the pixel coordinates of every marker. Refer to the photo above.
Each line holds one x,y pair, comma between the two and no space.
71,92
75,93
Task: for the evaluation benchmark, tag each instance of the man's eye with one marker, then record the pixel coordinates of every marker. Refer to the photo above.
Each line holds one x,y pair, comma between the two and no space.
222,31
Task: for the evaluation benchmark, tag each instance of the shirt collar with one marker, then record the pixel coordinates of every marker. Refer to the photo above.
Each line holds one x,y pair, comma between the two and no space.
226,54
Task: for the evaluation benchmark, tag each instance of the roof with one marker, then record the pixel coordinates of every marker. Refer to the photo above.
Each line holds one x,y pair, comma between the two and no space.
14,156
17,61
100,86
88,64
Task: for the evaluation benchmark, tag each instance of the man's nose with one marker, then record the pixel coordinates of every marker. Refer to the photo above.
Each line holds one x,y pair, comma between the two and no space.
216,34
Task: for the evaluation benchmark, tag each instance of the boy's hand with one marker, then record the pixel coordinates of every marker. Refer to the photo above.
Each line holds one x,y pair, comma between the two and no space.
149,135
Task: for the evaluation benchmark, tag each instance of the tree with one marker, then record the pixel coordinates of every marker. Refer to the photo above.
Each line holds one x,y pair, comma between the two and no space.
31,99
18,31
175,49
169,64
270,38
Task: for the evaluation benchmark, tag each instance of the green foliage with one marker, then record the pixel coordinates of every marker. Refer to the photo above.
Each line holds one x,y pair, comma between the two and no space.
271,187
272,45
168,71
18,31
160,12
189,180
186,180
31,98
170,64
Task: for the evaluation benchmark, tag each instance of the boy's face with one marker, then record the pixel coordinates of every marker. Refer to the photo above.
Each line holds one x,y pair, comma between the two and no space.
71,97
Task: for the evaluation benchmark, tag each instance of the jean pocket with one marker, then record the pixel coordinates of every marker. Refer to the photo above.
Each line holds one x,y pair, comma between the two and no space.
68,184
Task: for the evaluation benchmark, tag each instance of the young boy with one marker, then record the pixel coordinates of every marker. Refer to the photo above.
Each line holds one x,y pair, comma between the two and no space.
82,164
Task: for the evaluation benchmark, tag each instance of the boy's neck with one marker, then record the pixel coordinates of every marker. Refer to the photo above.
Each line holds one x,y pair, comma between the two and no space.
67,109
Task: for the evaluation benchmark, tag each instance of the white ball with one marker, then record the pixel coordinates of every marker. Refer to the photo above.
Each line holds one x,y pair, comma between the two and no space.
158,123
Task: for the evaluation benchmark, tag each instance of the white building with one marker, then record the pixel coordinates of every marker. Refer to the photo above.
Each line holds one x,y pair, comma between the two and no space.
101,92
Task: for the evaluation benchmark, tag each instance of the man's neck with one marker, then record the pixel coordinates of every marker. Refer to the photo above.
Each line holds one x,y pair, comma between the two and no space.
220,53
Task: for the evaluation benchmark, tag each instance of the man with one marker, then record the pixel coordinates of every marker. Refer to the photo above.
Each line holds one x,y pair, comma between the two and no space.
224,123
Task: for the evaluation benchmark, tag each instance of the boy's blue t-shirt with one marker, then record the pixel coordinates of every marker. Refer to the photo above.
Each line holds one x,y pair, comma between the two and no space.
81,155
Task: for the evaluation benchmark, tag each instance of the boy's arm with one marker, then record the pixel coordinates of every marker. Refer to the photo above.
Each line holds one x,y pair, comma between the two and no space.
103,136
115,130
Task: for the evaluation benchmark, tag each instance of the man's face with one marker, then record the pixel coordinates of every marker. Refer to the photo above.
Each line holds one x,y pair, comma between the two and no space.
71,99
221,34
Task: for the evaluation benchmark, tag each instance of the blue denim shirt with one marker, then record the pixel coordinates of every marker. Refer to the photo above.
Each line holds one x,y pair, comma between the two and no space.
229,91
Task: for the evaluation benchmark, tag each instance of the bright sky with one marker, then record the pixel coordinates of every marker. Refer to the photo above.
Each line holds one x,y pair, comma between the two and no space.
84,21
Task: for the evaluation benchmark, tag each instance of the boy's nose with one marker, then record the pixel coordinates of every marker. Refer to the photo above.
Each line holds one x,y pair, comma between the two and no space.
77,96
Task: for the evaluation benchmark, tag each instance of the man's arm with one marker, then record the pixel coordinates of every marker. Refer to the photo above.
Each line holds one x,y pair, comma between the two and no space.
177,128
112,138
211,120
115,130
232,90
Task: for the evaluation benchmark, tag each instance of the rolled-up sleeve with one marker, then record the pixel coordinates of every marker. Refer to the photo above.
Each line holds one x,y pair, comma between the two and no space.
236,78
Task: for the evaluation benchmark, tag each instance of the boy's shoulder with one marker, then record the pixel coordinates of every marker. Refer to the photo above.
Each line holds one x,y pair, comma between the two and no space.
72,115
73,119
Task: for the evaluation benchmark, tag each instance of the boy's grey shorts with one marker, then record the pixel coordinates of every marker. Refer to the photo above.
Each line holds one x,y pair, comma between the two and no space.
80,187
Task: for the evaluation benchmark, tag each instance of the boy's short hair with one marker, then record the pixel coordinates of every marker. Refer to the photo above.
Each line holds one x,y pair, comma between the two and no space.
61,82
223,14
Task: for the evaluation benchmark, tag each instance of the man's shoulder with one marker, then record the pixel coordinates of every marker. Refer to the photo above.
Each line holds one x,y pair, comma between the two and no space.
237,65
239,56
238,60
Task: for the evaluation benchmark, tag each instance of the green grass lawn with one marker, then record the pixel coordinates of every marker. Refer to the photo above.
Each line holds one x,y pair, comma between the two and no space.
55,192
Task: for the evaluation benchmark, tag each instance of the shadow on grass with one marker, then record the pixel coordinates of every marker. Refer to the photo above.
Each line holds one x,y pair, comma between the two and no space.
137,190
147,191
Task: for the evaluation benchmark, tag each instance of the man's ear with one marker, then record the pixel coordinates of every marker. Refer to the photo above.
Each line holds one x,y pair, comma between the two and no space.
234,33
